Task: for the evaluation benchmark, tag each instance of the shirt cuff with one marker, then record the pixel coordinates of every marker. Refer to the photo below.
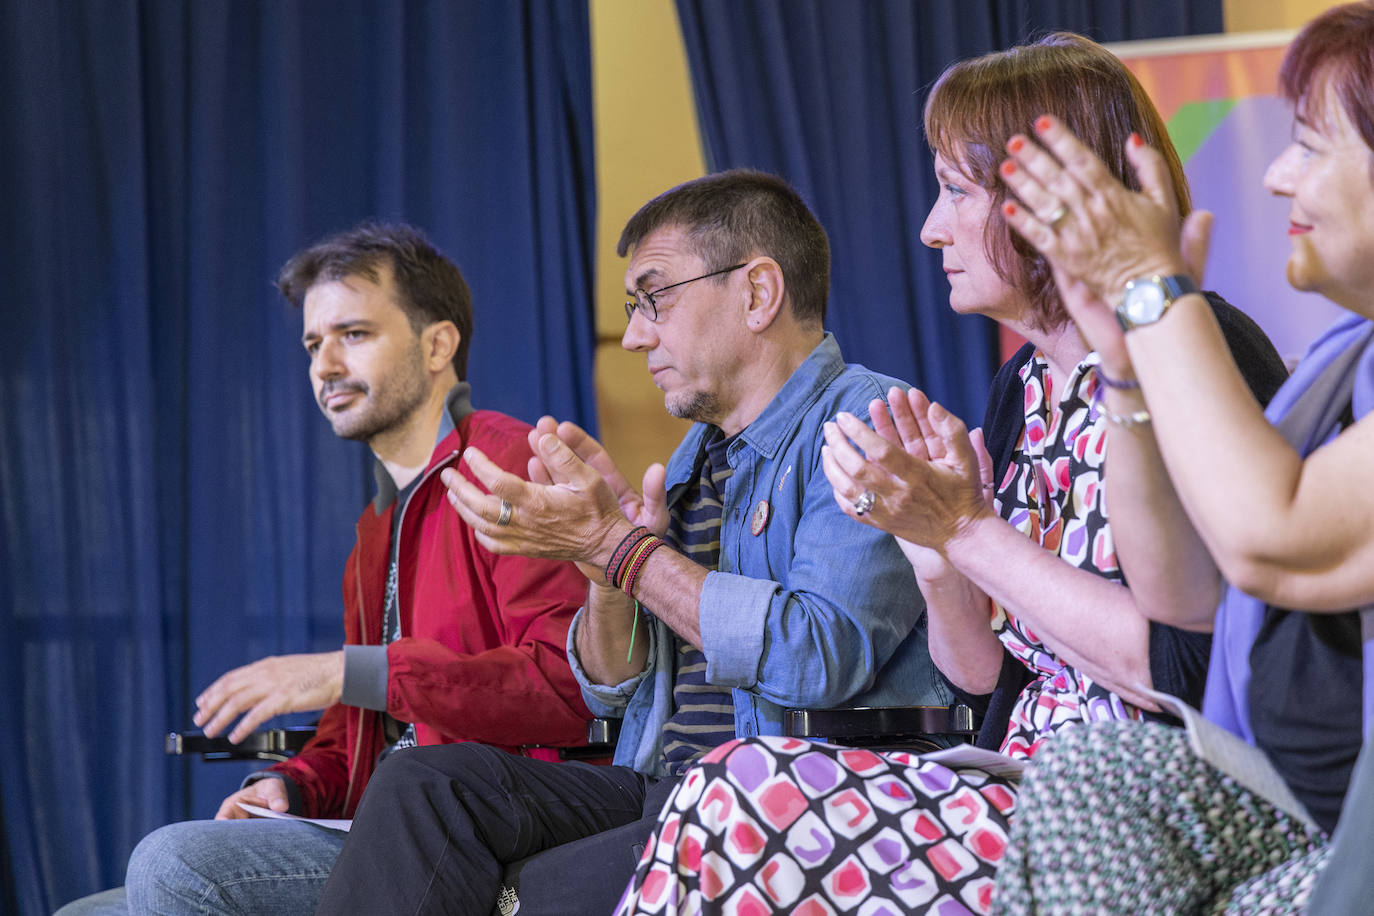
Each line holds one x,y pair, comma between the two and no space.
733,609
364,680
605,699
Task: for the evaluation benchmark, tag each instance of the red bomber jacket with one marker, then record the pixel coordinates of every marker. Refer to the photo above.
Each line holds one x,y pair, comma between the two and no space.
483,657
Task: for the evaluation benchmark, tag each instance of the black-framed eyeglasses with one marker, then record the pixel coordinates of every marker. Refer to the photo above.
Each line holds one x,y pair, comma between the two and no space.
645,302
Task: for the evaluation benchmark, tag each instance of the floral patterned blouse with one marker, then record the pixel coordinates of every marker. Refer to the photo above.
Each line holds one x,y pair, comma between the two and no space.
1053,493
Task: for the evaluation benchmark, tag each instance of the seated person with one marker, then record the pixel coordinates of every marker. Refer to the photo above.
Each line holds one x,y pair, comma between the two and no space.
1281,505
444,640
730,588
1012,545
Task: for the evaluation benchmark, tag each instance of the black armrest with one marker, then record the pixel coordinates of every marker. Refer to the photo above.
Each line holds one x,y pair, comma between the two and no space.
881,725
281,743
603,731
601,736
269,744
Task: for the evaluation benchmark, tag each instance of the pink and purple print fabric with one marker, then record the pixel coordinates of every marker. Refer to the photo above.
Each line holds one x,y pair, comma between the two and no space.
773,825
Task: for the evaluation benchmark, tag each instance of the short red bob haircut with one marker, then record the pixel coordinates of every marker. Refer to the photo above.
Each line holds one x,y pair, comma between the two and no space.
977,105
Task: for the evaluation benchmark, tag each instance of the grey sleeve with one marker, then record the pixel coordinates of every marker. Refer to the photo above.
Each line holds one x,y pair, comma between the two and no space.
364,681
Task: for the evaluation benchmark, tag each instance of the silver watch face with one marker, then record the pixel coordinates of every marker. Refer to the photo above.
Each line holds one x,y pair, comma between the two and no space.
1143,302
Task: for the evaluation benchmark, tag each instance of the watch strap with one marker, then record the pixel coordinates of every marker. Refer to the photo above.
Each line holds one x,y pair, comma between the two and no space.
1173,286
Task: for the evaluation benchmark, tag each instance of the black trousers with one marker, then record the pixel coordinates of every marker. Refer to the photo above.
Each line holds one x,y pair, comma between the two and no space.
441,828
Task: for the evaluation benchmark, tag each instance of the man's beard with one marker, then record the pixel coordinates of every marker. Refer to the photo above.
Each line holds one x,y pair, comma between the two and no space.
384,406
699,407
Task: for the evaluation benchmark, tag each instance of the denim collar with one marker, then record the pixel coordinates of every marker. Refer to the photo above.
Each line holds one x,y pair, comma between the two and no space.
774,425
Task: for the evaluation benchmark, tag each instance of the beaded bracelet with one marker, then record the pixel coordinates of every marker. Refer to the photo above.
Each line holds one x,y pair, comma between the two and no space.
1137,418
622,550
636,562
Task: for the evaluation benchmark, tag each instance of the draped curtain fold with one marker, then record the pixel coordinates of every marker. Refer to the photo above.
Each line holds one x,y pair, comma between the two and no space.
171,502
829,95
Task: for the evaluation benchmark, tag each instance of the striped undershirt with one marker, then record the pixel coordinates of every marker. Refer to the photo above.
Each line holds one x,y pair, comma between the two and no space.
703,715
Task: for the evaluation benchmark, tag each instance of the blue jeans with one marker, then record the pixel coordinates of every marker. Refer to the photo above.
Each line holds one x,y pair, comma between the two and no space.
259,866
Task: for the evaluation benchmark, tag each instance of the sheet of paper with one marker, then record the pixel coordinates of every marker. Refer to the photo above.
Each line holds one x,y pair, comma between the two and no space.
1244,763
318,821
967,755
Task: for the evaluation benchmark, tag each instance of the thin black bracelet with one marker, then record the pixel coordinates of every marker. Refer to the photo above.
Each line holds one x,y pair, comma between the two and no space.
621,551
1118,384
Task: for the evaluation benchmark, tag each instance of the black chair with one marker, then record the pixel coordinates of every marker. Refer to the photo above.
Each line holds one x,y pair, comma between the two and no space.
276,744
273,744
916,728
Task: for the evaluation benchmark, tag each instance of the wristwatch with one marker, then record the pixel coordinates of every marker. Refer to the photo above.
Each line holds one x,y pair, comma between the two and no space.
1147,298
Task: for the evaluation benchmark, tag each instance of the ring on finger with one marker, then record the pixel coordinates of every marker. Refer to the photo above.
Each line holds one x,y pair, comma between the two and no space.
1057,216
503,519
865,503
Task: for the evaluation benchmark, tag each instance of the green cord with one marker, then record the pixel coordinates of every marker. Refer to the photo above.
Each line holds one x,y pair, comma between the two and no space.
634,627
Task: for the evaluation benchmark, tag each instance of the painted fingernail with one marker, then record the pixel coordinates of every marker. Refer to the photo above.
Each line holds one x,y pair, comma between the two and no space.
1042,123
1015,145
1009,208
1008,168
1136,140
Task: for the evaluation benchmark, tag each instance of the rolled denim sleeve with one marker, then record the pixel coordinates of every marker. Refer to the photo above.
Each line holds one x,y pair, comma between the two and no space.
603,699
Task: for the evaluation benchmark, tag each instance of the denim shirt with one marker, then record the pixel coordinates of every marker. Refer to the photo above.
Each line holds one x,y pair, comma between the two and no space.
814,610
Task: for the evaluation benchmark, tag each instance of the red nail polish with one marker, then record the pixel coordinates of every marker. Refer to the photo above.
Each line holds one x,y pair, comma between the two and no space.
1008,168
1009,208
1136,140
1015,145
1042,123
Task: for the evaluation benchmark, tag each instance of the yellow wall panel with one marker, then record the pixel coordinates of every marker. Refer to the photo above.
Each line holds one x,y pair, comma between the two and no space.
646,141
1264,15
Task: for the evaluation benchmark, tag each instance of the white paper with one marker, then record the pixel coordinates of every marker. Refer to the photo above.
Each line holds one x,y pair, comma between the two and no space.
1244,763
259,811
991,762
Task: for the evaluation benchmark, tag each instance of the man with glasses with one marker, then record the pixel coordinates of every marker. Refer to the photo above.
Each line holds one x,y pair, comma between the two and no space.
729,588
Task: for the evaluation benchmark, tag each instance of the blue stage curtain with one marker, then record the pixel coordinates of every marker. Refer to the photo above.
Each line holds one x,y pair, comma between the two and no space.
173,504
829,95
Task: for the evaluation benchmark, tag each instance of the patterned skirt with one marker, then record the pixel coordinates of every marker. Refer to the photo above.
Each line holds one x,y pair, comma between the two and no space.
770,825
1123,817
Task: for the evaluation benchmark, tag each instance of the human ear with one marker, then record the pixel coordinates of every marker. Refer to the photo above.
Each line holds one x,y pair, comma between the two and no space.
767,291
439,342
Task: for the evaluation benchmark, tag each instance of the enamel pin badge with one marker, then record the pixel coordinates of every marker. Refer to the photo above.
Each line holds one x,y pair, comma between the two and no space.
760,519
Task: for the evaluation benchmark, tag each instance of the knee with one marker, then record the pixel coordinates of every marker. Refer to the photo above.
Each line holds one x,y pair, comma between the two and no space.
105,903
419,769
165,861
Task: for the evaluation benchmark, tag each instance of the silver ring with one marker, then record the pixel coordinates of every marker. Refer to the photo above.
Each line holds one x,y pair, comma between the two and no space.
504,518
865,503
1057,216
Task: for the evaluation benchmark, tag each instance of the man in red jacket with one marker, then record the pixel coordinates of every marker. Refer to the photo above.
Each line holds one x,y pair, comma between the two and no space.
445,641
